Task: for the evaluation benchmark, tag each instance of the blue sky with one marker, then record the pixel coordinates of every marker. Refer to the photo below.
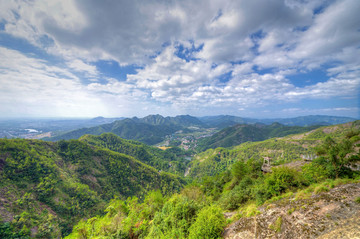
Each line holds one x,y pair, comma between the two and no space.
260,58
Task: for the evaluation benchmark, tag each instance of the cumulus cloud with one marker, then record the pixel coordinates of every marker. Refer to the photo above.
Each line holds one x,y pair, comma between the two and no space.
35,88
230,55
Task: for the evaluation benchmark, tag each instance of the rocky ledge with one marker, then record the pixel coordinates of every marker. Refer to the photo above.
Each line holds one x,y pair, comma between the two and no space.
332,214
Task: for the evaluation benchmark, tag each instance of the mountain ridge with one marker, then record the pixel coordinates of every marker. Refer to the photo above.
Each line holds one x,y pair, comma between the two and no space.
241,133
152,129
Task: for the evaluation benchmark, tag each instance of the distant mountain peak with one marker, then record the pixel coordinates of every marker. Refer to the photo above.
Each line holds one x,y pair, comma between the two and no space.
98,118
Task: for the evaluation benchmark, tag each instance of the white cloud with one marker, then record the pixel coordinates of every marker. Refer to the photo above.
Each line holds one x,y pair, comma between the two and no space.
81,66
34,88
333,30
238,37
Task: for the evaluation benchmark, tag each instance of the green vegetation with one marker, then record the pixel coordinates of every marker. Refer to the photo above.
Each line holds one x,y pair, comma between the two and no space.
242,133
150,130
276,226
105,187
280,150
223,121
169,160
56,184
357,200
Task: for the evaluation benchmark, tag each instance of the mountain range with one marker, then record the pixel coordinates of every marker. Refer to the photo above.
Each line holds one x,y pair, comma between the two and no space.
106,186
222,121
152,129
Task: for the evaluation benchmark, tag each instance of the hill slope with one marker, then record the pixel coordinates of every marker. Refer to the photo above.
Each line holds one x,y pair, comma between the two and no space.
242,133
150,130
223,121
47,187
305,201
333,214
169,160
279,150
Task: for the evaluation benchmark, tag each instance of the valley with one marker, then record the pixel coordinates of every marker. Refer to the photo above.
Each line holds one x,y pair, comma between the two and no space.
179,119
107,186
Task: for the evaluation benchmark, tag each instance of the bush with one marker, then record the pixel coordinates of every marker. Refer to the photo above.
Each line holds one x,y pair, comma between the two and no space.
321,188
357,200
314,173
175,218
281,179
231,200
209,223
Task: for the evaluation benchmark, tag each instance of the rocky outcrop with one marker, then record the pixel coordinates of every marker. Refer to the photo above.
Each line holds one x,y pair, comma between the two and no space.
332,214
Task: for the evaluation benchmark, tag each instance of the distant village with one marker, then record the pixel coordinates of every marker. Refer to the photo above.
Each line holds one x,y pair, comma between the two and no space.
187,141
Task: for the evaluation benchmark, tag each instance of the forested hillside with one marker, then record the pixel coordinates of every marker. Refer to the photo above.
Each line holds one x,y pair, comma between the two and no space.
242,133
169,160
254,203
279,150
46,187
153,129
106,187
223,121
150,130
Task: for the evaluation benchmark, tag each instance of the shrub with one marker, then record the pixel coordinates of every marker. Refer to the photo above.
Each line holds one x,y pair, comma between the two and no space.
209,223
281,179
314,173
357,200
276,226
231,200
175,218
321,188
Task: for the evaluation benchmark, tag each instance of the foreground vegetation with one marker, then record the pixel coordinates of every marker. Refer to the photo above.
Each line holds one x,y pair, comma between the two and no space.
48,187
197,211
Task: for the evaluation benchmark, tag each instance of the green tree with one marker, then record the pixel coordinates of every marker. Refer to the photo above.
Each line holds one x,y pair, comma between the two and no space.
209,223
337,153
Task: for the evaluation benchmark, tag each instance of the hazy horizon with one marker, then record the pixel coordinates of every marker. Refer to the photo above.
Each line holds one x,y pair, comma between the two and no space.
253,59
123,117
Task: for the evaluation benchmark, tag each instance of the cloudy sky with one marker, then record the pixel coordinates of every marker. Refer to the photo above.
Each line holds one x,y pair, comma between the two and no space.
258,58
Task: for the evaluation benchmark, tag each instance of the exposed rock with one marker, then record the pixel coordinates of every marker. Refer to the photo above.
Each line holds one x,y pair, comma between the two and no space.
333,214
266,167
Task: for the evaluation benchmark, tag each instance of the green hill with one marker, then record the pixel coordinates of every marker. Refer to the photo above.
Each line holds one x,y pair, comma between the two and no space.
280,150
169,160
242,133
46,187
150,130
239,200
223,121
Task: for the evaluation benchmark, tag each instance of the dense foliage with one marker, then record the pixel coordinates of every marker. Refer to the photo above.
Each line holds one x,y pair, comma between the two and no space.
56,184
169,160
279,150
150,130
46,188
197,212
242,133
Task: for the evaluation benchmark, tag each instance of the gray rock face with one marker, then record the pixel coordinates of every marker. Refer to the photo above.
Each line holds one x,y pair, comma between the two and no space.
333,214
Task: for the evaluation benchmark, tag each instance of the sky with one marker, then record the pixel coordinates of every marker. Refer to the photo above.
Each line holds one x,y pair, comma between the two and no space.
258,58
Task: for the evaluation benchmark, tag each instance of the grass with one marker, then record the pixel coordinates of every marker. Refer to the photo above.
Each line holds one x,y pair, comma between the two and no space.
321,188
357,200
276,226
291,210
274,199
248,210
